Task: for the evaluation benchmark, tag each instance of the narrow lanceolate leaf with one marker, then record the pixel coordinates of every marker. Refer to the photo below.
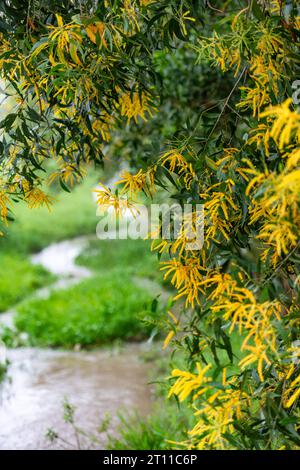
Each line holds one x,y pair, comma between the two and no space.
74,54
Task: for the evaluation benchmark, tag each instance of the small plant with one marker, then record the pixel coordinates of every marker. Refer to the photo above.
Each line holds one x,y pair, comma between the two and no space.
83,440
166,426
3,361
3,370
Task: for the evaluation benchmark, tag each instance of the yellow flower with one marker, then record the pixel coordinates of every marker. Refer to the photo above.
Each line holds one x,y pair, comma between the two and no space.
106,199
133,183
103,126
191,293
269,41
275,204
141,181
293,159
186,277
173,159
286,123
135,105
260,135
279,234
4,204
239,306
35,197
96,29
145,3
168,338
68,173
183,272
159,244
216,418
255,97
188,383
221,211
292,391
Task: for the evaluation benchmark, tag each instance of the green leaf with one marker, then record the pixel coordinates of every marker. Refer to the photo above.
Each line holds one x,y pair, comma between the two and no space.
257,12
8,121
64,186
33,115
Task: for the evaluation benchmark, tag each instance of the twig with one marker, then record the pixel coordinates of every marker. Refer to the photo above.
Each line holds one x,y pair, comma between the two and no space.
226,103
215,9
282,263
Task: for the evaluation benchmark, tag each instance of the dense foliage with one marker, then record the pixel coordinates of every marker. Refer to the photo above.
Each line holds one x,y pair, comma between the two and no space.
17,271
85,70
88,314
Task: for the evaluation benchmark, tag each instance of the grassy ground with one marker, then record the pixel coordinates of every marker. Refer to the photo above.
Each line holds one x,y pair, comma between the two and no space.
100,309
167,425
19,278
96,311
134,256
73,214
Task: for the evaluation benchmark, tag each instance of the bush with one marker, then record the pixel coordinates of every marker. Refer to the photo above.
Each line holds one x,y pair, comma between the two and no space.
165,424
19,278
96,311
134,254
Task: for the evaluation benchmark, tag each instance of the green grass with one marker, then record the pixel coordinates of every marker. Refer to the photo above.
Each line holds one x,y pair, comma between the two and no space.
94,312
133,255
168,420
166,423
73,214
19,278
3,371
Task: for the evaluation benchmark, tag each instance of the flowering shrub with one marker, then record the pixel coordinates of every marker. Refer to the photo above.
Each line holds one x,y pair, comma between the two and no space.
79,75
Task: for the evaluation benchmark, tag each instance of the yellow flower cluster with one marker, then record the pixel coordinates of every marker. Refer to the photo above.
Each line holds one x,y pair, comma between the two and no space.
135,105
175,161
286,123
186,277
216,417
4,205
188,383
275,196
292,390
223,52
266,68
221,211
235,303
141,181
106,200
35,197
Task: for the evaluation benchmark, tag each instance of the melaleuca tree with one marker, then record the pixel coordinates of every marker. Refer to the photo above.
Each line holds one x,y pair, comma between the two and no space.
80,71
